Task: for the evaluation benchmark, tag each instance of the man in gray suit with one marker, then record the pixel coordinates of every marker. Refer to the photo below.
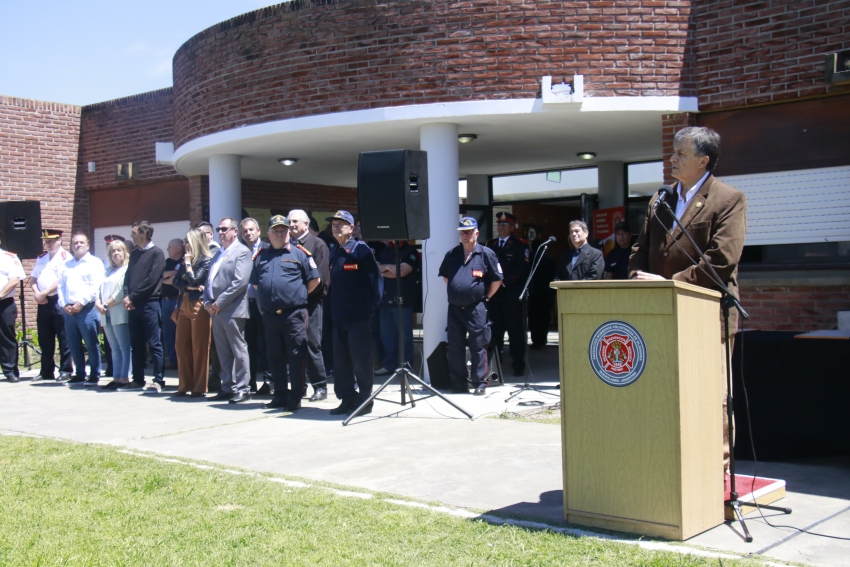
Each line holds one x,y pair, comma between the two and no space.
226,300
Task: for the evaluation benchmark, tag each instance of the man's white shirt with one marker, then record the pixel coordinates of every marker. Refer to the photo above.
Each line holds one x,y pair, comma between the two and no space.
80,280
47,270
10,267
683,202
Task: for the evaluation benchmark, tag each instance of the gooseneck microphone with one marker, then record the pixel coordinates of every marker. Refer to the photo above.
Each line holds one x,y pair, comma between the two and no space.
663,191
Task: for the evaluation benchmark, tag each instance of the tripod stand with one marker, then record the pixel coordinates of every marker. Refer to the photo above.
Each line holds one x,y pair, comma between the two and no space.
25,344
404,372
524,298
727,301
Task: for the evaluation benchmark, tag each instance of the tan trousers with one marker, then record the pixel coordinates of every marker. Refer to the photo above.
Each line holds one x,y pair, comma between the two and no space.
193,346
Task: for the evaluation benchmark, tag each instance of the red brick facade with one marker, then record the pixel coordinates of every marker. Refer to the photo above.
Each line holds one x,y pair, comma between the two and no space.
794,308
39,143
315,57
747,52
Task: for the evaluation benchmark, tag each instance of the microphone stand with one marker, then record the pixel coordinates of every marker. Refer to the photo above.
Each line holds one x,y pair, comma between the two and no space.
524,298
727,301
403,371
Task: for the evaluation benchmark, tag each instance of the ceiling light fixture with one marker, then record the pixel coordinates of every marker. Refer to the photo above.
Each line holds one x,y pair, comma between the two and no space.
466,138
586,155
288,160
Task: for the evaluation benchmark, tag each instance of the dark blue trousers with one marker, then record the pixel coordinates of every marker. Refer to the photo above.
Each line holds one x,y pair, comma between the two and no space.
286,344
467,327
353,360
146,330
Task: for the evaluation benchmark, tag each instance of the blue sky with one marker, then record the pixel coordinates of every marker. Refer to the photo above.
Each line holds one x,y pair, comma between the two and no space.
82,52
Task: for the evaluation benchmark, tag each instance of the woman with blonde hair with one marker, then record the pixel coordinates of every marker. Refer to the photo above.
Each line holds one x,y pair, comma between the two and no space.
194,325
113,316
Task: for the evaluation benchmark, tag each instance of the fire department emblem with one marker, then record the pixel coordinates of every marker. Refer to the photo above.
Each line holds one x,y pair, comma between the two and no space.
617,353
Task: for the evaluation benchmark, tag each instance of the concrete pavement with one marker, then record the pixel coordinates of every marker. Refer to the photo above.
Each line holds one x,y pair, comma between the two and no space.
430,453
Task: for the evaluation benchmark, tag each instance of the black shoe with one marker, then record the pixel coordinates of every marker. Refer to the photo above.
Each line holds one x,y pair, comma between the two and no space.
12,378
132,386
64,377
265,390
319,395
159,384
179,394
346,407
293,405
240,397
77,380
195,395
111,387
365,410
221,396
276,403
40,377
91,381
480,390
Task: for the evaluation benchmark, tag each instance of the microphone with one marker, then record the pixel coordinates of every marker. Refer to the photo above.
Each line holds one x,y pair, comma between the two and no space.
663,191
550,240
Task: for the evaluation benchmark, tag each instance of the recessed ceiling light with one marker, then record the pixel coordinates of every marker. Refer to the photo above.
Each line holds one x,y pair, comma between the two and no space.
288,160
586,155
466,138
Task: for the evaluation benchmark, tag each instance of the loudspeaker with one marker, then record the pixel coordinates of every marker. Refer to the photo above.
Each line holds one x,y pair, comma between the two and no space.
438,367
21,225
392,195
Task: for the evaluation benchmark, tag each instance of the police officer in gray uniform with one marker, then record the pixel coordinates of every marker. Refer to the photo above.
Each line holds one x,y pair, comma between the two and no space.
473,275
283,275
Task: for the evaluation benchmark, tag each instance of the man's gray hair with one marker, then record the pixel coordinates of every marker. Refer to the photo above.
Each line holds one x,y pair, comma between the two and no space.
298,215
233,222
176,242
580,223
250,219
706,142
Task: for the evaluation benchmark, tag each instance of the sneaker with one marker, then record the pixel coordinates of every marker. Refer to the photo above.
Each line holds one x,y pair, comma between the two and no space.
76,380
159,384
111,387
90,382
319,395
133,386
64,377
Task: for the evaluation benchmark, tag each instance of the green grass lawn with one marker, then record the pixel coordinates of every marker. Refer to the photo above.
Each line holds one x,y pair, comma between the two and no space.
72,504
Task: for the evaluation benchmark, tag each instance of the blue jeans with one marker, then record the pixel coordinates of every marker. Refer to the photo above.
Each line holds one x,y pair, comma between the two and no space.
169,330
389,335
119,339
81,327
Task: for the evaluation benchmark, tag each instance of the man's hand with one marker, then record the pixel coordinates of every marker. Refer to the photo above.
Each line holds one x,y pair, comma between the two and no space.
69,309
212,308
128,305
99,306
640,275
40,298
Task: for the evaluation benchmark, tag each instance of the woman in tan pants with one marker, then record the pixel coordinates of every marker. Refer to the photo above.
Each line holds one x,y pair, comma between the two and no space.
193,322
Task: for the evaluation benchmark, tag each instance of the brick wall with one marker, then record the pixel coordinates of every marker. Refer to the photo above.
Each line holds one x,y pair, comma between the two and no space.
794,308
756,51
38,152
126,130
315,57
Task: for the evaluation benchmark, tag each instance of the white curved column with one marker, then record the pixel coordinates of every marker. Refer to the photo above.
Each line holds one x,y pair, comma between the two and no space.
440,141
225,187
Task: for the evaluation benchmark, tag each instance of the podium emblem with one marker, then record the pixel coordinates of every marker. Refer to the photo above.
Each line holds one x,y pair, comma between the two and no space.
617,353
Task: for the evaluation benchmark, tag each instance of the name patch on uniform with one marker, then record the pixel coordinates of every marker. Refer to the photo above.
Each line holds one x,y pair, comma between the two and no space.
477,274
349,267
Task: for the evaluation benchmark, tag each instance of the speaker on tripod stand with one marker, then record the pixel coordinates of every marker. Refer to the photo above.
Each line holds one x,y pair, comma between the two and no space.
20,222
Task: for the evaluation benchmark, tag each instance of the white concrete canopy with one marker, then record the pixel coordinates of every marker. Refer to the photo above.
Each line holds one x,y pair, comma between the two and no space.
513,135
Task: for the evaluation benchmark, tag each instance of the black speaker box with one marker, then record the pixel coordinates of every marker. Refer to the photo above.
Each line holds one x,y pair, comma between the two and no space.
438,367
392,195
21,225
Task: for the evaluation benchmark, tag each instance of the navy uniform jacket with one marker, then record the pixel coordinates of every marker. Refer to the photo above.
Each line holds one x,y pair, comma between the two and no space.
356,283
469,283
617,262
514,259
409,256
281,277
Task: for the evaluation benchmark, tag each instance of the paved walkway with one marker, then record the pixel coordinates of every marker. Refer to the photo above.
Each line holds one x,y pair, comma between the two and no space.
430,452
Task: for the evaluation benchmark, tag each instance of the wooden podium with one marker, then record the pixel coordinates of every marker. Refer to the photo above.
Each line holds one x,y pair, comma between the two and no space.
646,456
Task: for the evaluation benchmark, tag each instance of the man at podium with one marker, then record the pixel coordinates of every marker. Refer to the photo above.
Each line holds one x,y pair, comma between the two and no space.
715,215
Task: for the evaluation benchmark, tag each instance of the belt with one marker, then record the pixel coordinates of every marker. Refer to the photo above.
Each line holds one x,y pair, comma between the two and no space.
470,306
282,311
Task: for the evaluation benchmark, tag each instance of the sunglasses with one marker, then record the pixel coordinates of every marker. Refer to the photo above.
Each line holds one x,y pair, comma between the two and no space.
223,229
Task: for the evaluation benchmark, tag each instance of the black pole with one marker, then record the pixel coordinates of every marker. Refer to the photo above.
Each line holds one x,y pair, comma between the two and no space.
399,300
24,327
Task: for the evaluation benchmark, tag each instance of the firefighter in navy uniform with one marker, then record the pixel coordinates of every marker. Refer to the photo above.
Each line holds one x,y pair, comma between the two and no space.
506,308
284,274
356,290
11,273
50,319
473,275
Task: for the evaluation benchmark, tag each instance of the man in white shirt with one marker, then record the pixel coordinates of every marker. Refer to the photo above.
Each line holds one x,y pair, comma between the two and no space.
11,274
78,286
50,319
